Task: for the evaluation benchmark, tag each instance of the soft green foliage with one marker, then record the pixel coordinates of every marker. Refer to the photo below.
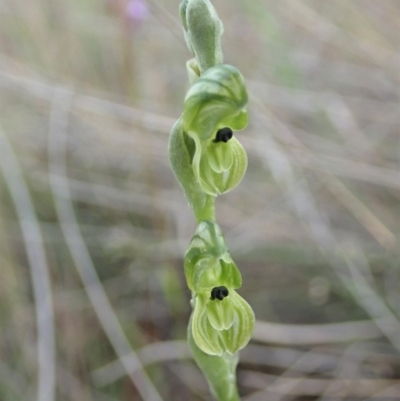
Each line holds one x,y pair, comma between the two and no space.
208,161
202,30
179,156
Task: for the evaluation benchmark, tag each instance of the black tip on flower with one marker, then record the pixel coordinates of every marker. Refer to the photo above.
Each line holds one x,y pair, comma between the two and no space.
219,293
223,135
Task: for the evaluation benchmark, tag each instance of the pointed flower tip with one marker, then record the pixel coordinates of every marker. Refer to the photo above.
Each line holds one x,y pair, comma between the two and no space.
202,30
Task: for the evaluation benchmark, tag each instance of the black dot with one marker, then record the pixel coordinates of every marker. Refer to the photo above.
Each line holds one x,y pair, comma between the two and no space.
219,293
223,135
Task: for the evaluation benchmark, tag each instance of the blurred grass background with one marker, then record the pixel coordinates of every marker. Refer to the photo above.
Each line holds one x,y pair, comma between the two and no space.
90,210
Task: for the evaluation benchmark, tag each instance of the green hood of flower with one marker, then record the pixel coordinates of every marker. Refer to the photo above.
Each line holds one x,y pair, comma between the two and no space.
217,99
208,262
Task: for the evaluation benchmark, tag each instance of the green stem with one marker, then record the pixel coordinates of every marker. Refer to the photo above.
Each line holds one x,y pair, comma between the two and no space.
220,371
202,204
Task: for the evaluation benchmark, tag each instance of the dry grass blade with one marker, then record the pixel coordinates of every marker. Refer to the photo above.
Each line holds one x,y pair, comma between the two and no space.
287,386
39,269
313,334
80,254
321,233
153,353
88,104
277,381
360,211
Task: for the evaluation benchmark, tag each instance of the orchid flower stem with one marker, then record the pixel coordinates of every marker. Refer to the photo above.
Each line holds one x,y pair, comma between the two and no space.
208,161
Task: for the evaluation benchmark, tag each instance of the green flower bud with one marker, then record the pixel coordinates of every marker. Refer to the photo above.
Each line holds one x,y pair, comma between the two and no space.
208,262
202,30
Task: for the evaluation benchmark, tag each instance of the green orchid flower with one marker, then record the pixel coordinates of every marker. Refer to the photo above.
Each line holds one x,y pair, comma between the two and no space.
222,320
215,106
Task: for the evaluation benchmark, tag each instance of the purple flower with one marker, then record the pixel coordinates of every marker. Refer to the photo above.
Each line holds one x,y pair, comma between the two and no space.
137,10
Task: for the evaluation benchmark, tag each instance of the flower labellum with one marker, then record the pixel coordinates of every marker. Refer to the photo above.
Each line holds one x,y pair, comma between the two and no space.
220,326
221,166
